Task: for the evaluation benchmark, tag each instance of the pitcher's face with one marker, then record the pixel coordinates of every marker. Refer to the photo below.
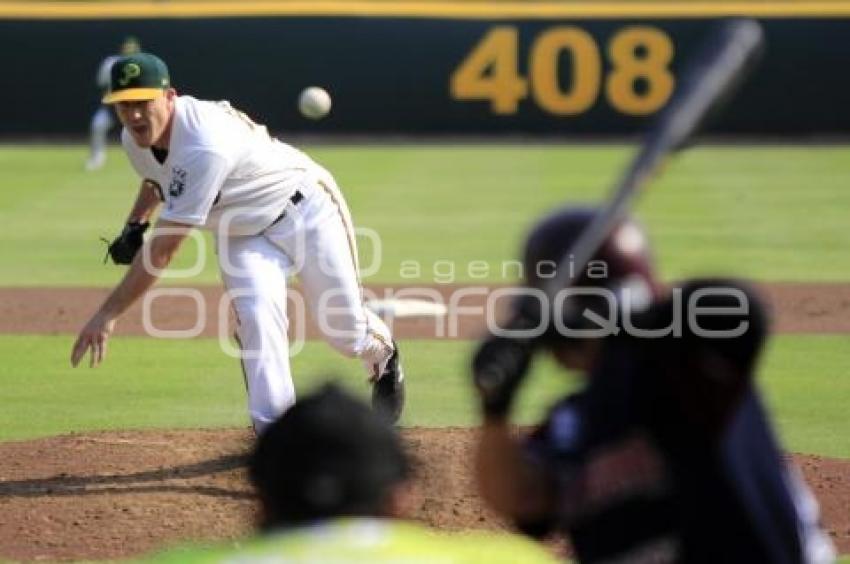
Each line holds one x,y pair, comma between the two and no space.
148,121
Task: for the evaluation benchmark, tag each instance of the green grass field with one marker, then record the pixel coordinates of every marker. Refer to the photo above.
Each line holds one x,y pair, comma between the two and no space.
770,213
149,384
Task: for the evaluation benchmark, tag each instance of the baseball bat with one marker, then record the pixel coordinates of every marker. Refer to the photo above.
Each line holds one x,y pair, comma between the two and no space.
710,79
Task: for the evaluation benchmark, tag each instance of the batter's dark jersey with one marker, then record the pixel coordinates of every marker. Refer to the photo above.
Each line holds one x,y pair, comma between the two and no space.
667,454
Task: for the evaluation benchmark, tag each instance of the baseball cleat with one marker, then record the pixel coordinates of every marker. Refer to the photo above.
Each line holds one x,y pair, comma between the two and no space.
388,390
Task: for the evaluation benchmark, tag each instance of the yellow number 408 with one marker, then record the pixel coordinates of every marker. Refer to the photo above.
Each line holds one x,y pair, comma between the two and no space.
638,55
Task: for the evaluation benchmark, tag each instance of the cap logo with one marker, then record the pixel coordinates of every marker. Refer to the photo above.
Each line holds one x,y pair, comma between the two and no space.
128,73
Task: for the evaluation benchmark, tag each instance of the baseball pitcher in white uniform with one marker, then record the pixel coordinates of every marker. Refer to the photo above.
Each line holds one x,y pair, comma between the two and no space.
274,213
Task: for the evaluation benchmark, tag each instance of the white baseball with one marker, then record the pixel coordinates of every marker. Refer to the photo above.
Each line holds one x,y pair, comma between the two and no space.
314,102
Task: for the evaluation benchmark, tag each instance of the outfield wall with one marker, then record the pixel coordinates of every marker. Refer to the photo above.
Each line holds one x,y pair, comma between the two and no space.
429,66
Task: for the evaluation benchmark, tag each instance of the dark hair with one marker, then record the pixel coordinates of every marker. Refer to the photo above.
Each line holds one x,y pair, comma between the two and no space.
327,456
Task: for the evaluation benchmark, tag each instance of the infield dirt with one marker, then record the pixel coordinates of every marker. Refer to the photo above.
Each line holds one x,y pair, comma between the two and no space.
797,308
118,494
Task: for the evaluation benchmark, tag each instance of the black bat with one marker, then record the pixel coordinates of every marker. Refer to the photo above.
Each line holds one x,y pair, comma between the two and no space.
709,80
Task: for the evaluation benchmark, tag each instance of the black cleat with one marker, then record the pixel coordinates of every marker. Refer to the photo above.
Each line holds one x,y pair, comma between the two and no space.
388,391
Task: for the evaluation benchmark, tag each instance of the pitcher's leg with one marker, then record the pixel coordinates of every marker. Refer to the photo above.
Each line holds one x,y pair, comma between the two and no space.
254,274
101,123
326,254
331,285
335,294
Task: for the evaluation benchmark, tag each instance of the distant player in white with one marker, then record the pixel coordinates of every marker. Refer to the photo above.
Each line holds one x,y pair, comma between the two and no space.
102,120
274,211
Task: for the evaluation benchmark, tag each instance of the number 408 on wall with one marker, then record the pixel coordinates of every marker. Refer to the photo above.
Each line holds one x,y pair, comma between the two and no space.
639,81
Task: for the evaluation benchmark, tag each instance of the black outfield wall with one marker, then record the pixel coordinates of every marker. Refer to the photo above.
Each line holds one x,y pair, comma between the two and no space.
429,74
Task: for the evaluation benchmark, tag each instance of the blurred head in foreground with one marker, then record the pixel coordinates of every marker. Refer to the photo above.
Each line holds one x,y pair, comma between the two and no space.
328,456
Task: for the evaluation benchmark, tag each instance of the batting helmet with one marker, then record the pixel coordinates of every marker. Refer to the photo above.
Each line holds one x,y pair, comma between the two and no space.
622,267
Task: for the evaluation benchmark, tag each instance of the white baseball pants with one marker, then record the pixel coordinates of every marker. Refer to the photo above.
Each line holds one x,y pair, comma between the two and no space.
315,240
101,122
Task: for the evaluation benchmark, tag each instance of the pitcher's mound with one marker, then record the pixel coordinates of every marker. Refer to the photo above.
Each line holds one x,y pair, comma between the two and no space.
117,494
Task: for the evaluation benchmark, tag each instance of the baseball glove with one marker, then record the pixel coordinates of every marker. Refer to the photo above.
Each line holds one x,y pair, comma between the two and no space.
499,366
127,244
501,363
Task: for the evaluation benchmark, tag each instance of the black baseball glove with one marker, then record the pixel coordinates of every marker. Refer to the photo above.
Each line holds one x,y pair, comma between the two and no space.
127,244
498,368
501,363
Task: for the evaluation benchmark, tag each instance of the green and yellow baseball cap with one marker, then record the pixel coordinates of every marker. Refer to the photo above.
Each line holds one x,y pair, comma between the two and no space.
140,76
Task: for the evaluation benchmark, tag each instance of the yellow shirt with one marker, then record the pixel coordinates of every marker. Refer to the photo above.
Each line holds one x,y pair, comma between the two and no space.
365,540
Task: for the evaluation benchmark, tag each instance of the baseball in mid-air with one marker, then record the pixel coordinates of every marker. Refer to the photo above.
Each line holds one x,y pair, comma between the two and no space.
314,102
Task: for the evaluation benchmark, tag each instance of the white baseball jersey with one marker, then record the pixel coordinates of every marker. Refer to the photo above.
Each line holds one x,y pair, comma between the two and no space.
104,70
222,170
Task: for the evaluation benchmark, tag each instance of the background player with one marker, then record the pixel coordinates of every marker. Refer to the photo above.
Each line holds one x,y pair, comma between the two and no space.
102,120
666,454
274,212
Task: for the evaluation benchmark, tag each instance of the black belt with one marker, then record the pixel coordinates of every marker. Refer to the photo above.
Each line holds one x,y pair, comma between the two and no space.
295,199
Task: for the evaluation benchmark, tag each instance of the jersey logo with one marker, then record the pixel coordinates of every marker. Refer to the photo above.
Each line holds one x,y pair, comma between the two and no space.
128,73
178,182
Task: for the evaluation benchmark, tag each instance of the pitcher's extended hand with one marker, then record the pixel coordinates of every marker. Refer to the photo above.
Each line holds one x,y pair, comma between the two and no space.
93,336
